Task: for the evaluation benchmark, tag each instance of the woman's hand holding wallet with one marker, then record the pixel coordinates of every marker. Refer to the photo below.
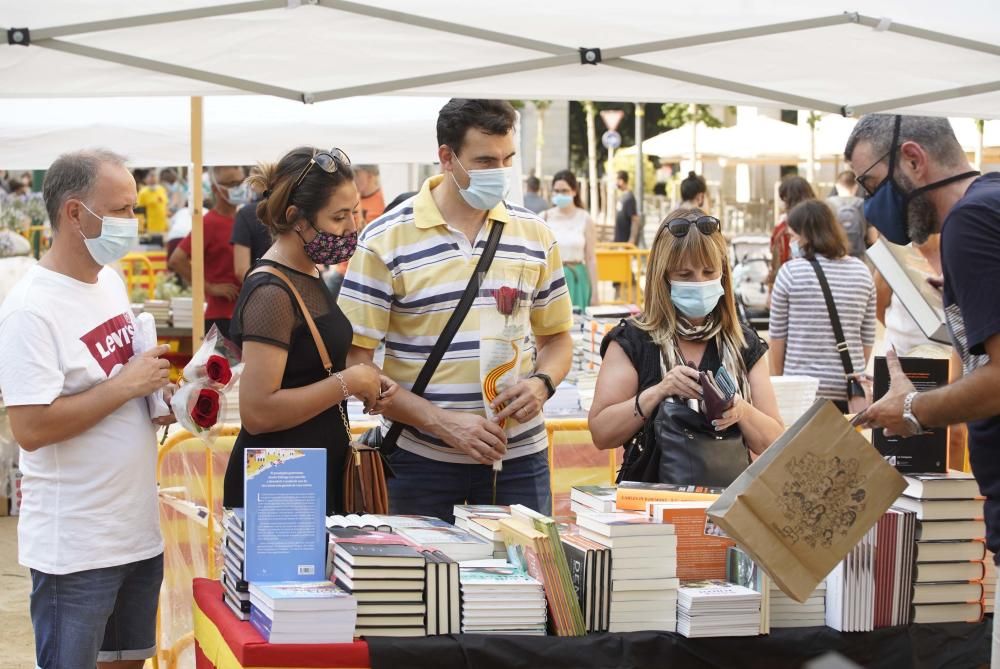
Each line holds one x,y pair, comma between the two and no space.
681,381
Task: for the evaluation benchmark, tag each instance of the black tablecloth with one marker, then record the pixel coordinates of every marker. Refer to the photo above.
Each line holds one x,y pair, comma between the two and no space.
952,646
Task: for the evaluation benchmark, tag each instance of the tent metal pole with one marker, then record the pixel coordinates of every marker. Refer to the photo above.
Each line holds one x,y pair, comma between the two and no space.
154,19
174,70
923,98
197,226
723,84
932,36
640,186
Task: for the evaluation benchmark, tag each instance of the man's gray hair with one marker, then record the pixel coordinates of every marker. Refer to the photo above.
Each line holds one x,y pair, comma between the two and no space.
73,175
934,134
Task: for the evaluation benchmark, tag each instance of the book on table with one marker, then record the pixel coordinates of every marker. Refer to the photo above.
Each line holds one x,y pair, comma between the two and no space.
456,543
702,547
622,524
302,612
442,594
362,521
635,495
717,608
971,612
501,600
946,485
950,530
466,511
742,570
943,509
594,497
591,581
927,452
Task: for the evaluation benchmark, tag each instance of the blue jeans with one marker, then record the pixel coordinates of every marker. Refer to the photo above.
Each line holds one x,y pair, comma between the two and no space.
98,615
426,487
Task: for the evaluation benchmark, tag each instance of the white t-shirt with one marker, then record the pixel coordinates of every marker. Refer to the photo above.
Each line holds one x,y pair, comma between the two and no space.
88,502
570,232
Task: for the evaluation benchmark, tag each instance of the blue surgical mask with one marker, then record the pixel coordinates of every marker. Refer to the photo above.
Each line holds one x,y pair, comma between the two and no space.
486,187
118,237
795,249
237,195
696,299
562,200
888,207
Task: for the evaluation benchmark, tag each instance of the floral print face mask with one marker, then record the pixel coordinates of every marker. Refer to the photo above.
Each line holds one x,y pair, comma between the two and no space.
327,248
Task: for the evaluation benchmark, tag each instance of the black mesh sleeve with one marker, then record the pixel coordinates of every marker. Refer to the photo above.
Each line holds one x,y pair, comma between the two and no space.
269,315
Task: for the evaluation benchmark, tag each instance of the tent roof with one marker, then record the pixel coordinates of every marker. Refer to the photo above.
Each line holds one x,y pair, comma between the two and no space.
238,130
925,58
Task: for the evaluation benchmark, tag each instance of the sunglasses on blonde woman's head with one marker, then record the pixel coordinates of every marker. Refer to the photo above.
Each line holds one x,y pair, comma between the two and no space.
707,225
328,161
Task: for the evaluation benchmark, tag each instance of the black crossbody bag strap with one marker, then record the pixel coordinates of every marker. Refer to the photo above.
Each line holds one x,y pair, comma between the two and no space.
388,443
838,331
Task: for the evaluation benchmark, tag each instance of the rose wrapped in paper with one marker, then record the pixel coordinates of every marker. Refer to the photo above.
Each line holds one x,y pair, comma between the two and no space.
506,299
205,413
197,407
217,362
218,370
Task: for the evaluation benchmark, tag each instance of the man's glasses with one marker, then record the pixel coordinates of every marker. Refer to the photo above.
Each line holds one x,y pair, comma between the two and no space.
707,225
860,179
328,161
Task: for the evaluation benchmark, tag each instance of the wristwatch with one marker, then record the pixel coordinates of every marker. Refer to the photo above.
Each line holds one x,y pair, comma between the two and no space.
908,416
547,380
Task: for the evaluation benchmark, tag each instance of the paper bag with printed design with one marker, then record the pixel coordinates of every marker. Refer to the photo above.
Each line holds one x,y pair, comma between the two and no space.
808,500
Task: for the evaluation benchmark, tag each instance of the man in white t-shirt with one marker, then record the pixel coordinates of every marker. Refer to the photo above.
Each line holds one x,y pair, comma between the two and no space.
75,394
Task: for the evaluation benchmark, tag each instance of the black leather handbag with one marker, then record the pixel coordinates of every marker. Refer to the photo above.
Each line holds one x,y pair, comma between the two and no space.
682,447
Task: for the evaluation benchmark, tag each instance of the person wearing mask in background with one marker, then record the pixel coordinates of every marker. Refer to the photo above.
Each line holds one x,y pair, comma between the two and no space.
154,201
918,182
577,238
793,189
369,184
532,195
251,238
802,339
689,316
627,214
401,287
849,211
75,392
222,286
311,206
694,192
176,192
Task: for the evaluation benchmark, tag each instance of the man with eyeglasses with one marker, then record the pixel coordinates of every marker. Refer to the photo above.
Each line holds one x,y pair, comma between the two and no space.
917,182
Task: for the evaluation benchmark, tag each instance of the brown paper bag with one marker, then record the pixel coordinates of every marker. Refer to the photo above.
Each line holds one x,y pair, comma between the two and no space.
808,499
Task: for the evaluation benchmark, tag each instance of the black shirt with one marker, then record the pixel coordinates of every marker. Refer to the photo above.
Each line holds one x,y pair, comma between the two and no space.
267,312
250,232
970,256
623,219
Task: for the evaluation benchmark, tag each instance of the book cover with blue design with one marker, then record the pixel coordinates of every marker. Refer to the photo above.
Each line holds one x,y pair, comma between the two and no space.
285,505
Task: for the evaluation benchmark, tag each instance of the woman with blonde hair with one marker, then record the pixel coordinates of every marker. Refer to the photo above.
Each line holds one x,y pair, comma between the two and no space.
653,364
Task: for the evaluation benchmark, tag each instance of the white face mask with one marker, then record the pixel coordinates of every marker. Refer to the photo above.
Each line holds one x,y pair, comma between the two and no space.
118,237
486,187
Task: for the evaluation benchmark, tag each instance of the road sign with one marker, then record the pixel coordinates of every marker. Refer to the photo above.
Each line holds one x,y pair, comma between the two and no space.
611,140
612,117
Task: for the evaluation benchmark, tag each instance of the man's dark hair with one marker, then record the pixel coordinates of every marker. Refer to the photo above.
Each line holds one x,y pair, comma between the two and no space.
935,135
623,175
692,186
533,184
494,117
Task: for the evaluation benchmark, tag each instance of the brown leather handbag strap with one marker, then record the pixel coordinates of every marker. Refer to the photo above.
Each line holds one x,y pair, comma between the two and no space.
324,355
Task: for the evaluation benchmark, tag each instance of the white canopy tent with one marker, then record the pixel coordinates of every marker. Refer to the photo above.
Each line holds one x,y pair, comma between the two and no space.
238,130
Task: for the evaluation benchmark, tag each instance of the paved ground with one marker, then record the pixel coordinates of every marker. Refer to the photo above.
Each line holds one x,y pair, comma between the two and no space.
17,644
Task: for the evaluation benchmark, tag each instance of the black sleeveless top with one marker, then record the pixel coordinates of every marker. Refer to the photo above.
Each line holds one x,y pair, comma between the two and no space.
267,312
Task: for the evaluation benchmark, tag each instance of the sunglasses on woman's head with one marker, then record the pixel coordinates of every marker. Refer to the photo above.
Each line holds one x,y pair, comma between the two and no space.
327,161
707,225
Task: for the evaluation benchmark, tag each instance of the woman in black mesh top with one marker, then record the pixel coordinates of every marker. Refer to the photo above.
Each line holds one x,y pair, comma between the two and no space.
310,206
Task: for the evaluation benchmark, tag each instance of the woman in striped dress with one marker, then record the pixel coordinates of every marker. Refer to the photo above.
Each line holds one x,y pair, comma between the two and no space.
802,340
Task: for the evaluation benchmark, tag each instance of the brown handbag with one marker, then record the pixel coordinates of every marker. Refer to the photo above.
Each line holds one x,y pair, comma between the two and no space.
365,489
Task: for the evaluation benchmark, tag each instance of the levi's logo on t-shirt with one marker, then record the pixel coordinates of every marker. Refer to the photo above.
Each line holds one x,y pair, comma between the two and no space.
111,342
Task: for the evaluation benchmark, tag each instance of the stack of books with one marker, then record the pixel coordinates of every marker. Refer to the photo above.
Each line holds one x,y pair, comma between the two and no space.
950,551
717,608
235,589
597,322
159,310
361,522
502,600
182,312
483,521
742,570
442,594
776,608
590,570
636,496
592,498
534,546
302,612
458,544
702,546
565,402
388,580
989,584
643,569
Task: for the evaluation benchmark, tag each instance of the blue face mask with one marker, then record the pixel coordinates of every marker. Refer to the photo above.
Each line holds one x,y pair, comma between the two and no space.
118,237
562,200
237,195
486,187
696,299
888,207
795,249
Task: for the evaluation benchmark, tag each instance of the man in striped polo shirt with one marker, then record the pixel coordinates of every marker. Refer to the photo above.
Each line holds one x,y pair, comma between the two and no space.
404,281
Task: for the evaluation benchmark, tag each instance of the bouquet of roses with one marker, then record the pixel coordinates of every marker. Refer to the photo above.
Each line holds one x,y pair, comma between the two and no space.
214,369
197,408
218,362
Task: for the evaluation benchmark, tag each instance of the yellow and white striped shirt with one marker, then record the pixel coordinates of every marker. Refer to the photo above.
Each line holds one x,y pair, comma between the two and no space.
406,278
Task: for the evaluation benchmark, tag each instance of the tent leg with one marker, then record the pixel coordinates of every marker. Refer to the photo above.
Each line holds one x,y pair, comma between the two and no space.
640,173
197,229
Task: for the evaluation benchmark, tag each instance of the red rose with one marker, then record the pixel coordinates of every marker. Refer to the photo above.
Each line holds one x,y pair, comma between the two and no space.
205,413
506,299
218,369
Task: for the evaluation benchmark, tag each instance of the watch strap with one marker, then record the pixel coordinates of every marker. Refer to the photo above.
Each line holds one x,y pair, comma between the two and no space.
547,380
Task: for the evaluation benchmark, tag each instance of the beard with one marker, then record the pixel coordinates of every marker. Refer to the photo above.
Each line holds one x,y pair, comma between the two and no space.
921,214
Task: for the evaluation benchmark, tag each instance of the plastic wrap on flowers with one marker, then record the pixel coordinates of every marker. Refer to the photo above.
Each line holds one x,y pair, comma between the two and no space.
217,363
197,407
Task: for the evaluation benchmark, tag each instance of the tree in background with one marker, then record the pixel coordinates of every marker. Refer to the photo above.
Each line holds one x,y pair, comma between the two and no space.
580,150
676,114
541,106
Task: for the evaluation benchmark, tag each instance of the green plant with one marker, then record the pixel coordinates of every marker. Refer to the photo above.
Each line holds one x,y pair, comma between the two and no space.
676,114
19,212
627,163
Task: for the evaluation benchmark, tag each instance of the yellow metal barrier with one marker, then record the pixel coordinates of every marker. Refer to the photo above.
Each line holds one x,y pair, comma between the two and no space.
133,279
624,266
